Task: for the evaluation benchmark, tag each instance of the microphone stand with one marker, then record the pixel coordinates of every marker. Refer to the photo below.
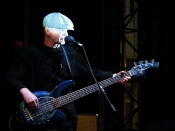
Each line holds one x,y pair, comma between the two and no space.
67,61
101,92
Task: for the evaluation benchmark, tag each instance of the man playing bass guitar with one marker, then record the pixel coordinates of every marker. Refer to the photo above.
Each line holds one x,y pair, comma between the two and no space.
42,73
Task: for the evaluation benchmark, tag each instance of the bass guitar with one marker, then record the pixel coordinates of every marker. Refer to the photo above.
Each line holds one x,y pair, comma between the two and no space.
50,102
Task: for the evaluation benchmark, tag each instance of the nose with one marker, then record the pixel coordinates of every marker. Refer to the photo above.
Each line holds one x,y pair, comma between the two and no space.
65,33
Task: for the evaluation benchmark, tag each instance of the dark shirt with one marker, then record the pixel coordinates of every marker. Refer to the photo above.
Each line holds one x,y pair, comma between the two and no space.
40,68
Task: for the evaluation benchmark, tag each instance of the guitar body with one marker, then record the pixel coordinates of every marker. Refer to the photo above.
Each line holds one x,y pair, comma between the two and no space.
48,107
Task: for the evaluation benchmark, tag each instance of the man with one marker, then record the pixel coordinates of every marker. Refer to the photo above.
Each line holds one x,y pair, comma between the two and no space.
42,68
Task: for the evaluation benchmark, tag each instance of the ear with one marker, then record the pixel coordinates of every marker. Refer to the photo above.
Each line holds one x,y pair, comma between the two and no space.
47,30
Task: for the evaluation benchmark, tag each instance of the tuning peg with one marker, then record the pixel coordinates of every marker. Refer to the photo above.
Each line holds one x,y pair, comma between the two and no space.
152,60
146,61
140,62
135,63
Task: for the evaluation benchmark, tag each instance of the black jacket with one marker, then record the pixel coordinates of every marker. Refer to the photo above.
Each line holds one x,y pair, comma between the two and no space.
43,68
34,69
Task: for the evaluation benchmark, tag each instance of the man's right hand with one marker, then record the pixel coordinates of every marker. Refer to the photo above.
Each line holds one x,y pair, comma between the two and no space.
29,98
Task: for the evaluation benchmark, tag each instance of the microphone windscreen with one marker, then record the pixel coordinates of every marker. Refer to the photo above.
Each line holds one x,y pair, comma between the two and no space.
69,38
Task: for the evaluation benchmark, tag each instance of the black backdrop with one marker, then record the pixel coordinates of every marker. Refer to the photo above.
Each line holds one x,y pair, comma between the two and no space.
157,95
156,31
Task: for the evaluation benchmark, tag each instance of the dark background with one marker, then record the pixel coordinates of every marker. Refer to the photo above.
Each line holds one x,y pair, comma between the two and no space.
96,25
157,95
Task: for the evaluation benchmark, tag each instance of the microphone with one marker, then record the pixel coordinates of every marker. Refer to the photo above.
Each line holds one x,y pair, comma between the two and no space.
70,40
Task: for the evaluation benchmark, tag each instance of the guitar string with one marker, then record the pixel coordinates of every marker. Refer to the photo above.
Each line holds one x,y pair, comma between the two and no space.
68,98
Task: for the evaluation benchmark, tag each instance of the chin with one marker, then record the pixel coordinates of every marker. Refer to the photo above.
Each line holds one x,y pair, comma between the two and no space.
62,42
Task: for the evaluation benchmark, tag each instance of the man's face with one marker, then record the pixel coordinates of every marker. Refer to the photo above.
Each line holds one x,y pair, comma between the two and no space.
62,34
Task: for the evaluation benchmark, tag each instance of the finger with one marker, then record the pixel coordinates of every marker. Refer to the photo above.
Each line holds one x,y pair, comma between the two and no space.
34,105
122,72
37,103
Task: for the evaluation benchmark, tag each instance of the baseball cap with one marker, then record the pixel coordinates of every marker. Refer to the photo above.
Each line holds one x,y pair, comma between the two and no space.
58,21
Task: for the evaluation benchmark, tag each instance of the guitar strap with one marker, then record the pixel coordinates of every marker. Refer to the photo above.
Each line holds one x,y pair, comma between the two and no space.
67,61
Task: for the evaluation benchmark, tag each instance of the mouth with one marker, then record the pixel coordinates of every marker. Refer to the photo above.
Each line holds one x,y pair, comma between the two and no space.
62,41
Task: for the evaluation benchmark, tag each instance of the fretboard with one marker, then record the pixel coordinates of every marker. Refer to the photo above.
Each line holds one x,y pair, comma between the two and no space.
65,99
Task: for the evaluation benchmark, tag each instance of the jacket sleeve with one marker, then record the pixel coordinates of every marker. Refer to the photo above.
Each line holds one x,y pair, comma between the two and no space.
101,75
16,74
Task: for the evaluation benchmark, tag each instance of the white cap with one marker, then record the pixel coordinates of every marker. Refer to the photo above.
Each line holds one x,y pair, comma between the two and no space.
58,21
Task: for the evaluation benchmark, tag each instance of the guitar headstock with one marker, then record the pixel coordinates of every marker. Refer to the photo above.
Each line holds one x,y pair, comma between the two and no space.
139,68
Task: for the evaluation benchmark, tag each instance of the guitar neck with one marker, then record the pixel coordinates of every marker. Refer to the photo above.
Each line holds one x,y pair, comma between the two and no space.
62,100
